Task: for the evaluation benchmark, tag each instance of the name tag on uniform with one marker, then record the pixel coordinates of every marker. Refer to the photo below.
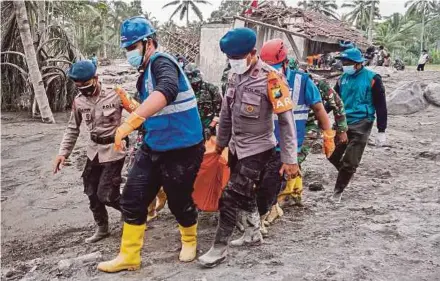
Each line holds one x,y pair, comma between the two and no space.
107,106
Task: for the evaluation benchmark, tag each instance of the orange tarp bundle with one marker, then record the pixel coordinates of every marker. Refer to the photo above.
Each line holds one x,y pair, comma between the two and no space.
211,179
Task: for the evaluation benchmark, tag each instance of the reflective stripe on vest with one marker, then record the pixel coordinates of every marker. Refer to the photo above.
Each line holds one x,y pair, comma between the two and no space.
301,111
178,124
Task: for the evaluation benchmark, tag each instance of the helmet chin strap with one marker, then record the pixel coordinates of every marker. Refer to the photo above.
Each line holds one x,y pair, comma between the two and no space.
144,53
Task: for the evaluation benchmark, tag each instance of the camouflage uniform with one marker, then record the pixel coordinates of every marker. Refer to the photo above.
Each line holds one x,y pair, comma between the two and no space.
225,79
332,102
209,101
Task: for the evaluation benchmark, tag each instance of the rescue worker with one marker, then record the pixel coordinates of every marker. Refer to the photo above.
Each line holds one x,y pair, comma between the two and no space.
101,109
172,150
363,94
209,101
305,95
94,59
255,91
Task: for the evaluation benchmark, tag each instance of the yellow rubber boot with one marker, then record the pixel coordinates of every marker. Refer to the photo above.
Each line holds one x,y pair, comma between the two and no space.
129,257
189,243
161,200
287,192
297,191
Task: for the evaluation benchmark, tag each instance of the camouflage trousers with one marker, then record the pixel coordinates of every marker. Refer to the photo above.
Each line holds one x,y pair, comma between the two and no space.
312,140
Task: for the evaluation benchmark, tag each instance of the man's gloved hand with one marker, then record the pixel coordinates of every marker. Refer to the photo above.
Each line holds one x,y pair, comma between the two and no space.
381,139
132,123
329,142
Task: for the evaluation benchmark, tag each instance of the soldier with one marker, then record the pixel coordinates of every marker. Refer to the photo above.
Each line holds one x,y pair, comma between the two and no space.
209,100
171,153
224,79
101,109
332,102
255,91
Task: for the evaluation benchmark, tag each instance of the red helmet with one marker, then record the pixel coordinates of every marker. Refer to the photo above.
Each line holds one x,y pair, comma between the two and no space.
273,52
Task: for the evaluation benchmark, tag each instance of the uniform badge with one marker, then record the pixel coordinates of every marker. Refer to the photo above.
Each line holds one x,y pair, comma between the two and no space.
249,109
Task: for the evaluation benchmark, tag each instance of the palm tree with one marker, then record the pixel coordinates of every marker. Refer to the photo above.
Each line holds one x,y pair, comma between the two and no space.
184,6
32,63
360,13
423,8
325,7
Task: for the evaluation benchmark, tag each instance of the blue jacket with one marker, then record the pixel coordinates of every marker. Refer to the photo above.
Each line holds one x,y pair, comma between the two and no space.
178,124
355,91
304,94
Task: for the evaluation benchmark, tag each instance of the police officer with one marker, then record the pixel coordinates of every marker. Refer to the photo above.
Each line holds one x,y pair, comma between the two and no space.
305,95
255,91
208,97
100,107
363,94
172,150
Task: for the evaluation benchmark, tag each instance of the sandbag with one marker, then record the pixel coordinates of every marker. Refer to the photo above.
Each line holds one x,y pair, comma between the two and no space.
211,179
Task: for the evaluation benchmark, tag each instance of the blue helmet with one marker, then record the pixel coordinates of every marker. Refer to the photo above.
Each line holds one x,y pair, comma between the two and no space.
82,71
352,54
135,29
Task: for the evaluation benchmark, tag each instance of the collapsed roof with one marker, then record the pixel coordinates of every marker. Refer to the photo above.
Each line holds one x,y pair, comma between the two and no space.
308,24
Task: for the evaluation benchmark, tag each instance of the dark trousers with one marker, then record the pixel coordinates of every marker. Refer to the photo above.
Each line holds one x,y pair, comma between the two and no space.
254,183
421,67
101,184
175,170
347,157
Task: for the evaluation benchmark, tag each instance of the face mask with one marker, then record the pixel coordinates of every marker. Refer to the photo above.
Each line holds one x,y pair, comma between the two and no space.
239,66
348,69
134,58
87,90
180,64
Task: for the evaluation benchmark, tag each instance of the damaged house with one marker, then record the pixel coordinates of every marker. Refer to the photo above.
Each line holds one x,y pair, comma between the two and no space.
307,32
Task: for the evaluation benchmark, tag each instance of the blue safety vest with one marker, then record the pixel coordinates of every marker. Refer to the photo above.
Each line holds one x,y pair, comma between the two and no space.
297,84
178,124
357,95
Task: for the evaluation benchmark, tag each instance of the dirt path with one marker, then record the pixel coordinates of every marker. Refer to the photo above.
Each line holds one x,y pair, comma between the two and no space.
387,228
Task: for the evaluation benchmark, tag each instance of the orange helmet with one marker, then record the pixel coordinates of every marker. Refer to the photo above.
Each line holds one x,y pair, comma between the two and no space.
273,52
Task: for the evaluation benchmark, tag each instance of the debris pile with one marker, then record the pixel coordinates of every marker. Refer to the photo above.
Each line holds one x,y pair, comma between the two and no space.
311,25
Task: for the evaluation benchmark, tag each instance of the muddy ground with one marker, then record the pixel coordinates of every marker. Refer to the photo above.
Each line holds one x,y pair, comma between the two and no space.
387,227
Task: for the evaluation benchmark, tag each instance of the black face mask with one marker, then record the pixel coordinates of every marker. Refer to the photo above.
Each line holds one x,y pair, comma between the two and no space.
87,90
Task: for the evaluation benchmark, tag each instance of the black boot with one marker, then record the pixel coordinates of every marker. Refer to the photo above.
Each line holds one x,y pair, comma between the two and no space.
344,178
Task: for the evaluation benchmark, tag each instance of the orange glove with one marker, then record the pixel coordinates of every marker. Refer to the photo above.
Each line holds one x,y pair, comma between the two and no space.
132,123
329,142
128,102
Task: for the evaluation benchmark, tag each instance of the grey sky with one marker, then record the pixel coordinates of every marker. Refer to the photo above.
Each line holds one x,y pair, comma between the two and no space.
387,7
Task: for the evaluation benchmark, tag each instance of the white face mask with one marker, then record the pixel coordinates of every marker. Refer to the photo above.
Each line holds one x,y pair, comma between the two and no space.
349,69
239,66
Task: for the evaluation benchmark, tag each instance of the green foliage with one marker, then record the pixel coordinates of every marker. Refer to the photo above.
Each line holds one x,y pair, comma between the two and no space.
325,7
401,34
183,6
227,8
359,15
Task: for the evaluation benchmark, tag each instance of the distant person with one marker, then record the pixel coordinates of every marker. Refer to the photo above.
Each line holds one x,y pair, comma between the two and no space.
424,57
100,108
382,55
94,59
387,60
363,95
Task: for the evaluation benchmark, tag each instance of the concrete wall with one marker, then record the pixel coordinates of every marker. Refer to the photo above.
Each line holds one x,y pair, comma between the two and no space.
211,60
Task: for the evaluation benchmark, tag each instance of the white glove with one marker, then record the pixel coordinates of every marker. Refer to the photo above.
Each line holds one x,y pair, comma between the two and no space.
381,139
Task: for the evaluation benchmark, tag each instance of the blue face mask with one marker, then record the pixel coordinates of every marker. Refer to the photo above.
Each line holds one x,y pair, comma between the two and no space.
349,69
134,58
